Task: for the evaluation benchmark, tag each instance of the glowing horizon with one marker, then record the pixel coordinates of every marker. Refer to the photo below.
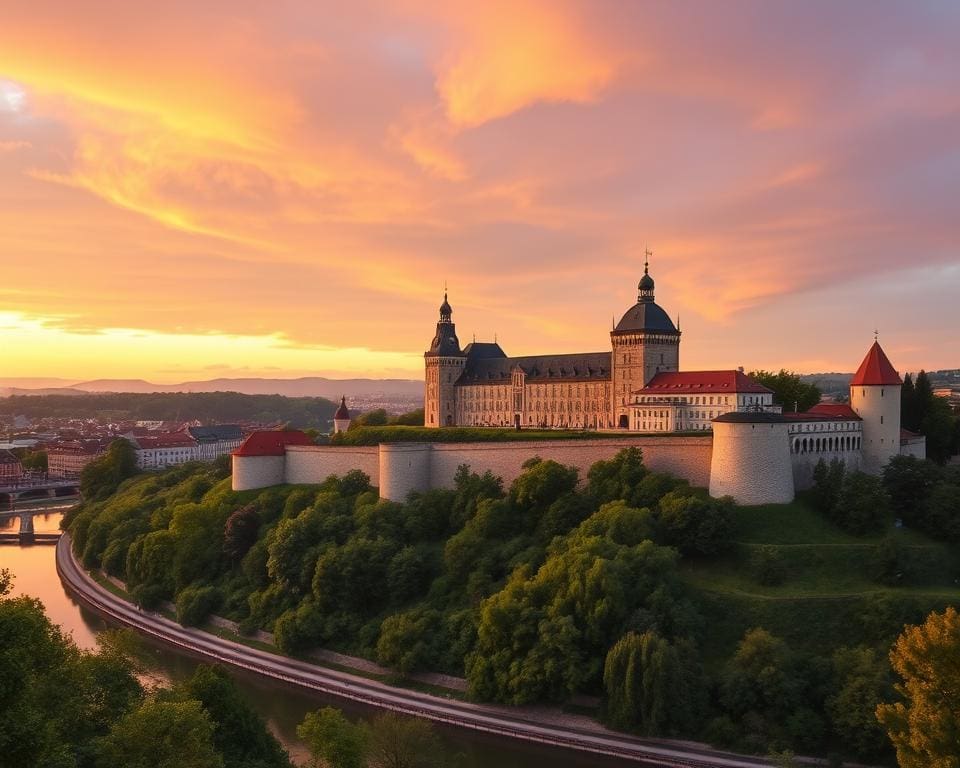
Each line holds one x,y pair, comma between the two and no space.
229,190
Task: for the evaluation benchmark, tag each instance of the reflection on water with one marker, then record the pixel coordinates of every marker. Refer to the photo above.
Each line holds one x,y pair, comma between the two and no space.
35,575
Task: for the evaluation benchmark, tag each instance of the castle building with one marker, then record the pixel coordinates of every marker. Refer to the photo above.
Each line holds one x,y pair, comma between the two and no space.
636,386
716,429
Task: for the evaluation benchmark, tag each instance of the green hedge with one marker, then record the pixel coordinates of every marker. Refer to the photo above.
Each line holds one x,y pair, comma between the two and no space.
401,434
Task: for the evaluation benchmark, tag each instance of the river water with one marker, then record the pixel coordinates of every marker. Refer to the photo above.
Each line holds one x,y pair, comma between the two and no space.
283,707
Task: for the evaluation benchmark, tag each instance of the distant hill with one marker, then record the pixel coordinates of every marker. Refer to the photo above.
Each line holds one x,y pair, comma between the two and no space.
829,383
206,407
308,386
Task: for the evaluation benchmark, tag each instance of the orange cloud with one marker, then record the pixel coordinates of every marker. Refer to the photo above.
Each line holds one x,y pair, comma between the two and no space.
513,54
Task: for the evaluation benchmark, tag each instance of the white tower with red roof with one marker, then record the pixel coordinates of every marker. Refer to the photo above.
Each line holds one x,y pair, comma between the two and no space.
875,396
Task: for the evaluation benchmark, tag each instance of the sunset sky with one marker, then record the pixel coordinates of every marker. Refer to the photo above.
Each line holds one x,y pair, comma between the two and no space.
191,190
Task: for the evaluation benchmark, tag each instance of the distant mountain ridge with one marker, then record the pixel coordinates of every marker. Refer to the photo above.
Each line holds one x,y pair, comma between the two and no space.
307,386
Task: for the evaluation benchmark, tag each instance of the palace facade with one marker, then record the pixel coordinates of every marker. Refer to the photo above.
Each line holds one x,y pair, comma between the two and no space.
635,386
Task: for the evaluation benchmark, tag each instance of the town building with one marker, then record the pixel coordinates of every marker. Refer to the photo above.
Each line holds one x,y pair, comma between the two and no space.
215,441
166,449
67,458
11,470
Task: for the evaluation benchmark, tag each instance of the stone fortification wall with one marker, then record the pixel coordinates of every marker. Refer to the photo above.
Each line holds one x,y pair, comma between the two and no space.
751,463
399,468
251,472
307,464
686,457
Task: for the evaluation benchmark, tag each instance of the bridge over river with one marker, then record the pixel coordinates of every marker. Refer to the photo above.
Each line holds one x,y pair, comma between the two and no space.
33,492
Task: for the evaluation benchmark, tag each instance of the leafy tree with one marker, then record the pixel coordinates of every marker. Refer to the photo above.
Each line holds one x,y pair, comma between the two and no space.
941,512
543,635
827,484
651,686
396,741
617,478
240,734
32,461
412,419
408,640
333,741
102,476
863,505
909,405
410,573
195,604
696,525
909,481
760,688
240,532
540,485
925,727
161,734
860,682
375,418
767,566
789,390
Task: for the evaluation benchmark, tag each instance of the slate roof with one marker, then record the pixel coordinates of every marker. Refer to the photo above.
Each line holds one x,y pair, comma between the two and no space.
646,316
343,413
215,433
702,382
589,366
876,370
483,349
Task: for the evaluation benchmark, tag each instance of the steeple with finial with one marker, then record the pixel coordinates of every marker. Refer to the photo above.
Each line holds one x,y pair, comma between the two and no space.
645,286
445,341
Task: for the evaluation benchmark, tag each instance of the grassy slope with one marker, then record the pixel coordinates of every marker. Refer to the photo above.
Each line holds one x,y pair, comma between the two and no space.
830,595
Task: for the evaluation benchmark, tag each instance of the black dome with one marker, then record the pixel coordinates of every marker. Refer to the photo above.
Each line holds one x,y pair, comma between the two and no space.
646,282
646,316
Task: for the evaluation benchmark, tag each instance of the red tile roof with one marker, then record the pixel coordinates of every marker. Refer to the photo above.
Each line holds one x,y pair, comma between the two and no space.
272,442
698,382
875,370
834,411
906,434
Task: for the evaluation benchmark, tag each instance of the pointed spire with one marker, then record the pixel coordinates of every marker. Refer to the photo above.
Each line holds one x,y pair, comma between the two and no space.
647,253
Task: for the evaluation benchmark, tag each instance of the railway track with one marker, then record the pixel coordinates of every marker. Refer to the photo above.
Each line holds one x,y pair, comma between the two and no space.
478,717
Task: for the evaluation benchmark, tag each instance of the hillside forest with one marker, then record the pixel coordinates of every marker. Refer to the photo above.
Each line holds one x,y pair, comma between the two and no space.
754,628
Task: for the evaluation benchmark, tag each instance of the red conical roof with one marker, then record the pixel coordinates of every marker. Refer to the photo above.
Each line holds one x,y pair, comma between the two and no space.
876,370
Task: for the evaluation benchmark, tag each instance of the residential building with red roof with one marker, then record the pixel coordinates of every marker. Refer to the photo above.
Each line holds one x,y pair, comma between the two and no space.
688,401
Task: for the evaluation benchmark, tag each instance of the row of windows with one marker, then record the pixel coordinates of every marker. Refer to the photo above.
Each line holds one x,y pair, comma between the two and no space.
825,444
829,426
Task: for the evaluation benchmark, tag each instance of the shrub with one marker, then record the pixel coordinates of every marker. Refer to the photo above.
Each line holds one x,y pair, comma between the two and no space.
194,604
767,566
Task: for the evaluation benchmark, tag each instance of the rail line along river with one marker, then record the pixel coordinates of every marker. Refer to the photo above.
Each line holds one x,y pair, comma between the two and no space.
283,707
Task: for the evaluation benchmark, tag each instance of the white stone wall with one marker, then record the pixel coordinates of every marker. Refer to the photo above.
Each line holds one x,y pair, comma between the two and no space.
879,407
404,468
250,472
686,457
307,464
751,463
914,446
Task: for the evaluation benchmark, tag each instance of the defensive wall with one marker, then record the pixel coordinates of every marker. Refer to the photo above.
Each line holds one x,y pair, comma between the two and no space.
400,468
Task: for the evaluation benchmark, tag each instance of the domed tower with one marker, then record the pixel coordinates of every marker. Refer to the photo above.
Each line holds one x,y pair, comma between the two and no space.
341,419
444,365
645,342
875,396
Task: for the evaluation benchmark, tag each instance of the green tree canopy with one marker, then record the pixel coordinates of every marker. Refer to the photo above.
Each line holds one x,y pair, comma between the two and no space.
925,726
789,390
